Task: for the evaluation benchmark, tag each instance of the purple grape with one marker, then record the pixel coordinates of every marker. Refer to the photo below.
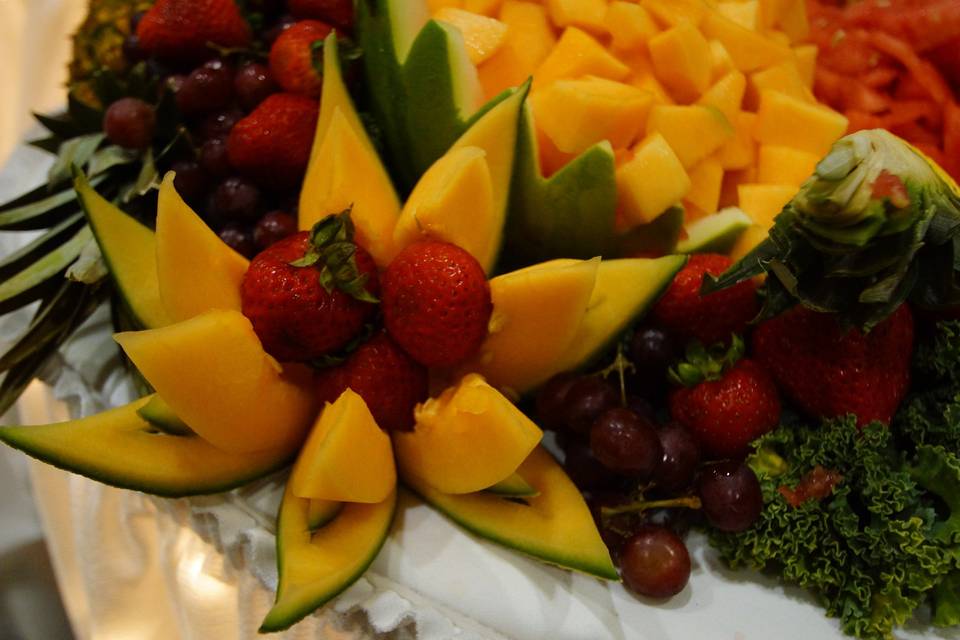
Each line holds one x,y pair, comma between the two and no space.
626,444
584,469
238,239
587,398
191,181
272,228
655,563
207,88
220,124
731,496
253,84
213,158
130,123
551,401
236,199
681,457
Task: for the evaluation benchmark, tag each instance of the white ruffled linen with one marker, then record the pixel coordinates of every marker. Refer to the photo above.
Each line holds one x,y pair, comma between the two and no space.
138,567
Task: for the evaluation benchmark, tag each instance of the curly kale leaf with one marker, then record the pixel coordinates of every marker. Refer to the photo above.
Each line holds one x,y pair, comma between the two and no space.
932,414
867,550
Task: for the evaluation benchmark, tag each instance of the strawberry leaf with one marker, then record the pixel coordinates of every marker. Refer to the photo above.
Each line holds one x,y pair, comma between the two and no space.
334,254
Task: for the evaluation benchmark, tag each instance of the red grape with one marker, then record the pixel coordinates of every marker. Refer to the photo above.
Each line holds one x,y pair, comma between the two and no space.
130,123
238,239
191,182
626,443
587,398
551,407
731,496
584,469
681,456
655,563
253,83
236,199
651,351
206,89
213,157
272,228
220,124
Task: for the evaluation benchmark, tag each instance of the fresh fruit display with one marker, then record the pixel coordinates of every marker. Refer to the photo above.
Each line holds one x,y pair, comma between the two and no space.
392,243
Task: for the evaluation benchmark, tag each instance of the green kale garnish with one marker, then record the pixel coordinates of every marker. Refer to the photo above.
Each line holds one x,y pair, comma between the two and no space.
887,540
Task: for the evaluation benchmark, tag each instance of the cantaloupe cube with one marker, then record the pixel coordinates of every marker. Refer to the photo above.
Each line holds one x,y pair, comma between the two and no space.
528,42
729,196
483,36
436,5
705,179
743,13
670,13
750,50
750,238
551,158
763,202
630,25
720,60
726,94
487,8
577,54
769,12
778,37
694,132
783,165
585,14
783,77
794,21
576,114
788,122
642,75
682,61
740,151
651,182
805,56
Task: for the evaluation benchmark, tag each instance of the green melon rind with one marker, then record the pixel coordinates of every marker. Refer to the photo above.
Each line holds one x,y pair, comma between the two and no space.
565,557
513,487
142,299
146,468
717,233
654,276
572,213
290,609
159,414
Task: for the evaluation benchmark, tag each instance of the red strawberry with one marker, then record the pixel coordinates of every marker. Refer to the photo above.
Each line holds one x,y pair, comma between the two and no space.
436,303
831,371
272,145
182,30
689,316
311,293
725,406
337,12
388,380
296,57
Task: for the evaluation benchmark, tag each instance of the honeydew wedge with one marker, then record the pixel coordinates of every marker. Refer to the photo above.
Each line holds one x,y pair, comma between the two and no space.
468,439
347,457
214,374
345,170
120,448
196,270
717,233
554,526
129,248
537,311
317,563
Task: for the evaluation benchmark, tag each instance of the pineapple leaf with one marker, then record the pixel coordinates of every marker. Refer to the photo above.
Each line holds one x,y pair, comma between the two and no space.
49,241
149,178
110,157
61,126
50,144
76,151
54,315
36,280
39,210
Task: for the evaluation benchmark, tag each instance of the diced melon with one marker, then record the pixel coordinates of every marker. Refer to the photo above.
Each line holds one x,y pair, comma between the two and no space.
763,202
576,114
783,77
694,132
705,179
743,13
528,41
783,165
536,313
436,5
740,151
721,63
585,14
347,457
468,439
578,54
682,61
652,181
805,56
670,13
750,238
629,24
732,179
769,13
483,7
642,75
786,121
750,50
451,201
726,94
483,36
551,159
794,21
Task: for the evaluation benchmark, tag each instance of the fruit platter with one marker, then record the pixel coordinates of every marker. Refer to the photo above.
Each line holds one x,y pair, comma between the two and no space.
660,294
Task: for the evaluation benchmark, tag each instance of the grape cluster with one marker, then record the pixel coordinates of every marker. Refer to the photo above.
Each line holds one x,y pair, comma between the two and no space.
211,98
643,476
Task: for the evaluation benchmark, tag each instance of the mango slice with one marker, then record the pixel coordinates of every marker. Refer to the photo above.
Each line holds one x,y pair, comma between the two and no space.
554,526
468,439
682,59
347,457
578,54
652,181
528,41
214,374
482,35
120,448
693,132
196,270
345,170
786,121
536,314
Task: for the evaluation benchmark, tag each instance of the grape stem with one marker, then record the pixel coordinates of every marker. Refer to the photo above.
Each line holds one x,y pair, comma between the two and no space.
687,502
621,364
